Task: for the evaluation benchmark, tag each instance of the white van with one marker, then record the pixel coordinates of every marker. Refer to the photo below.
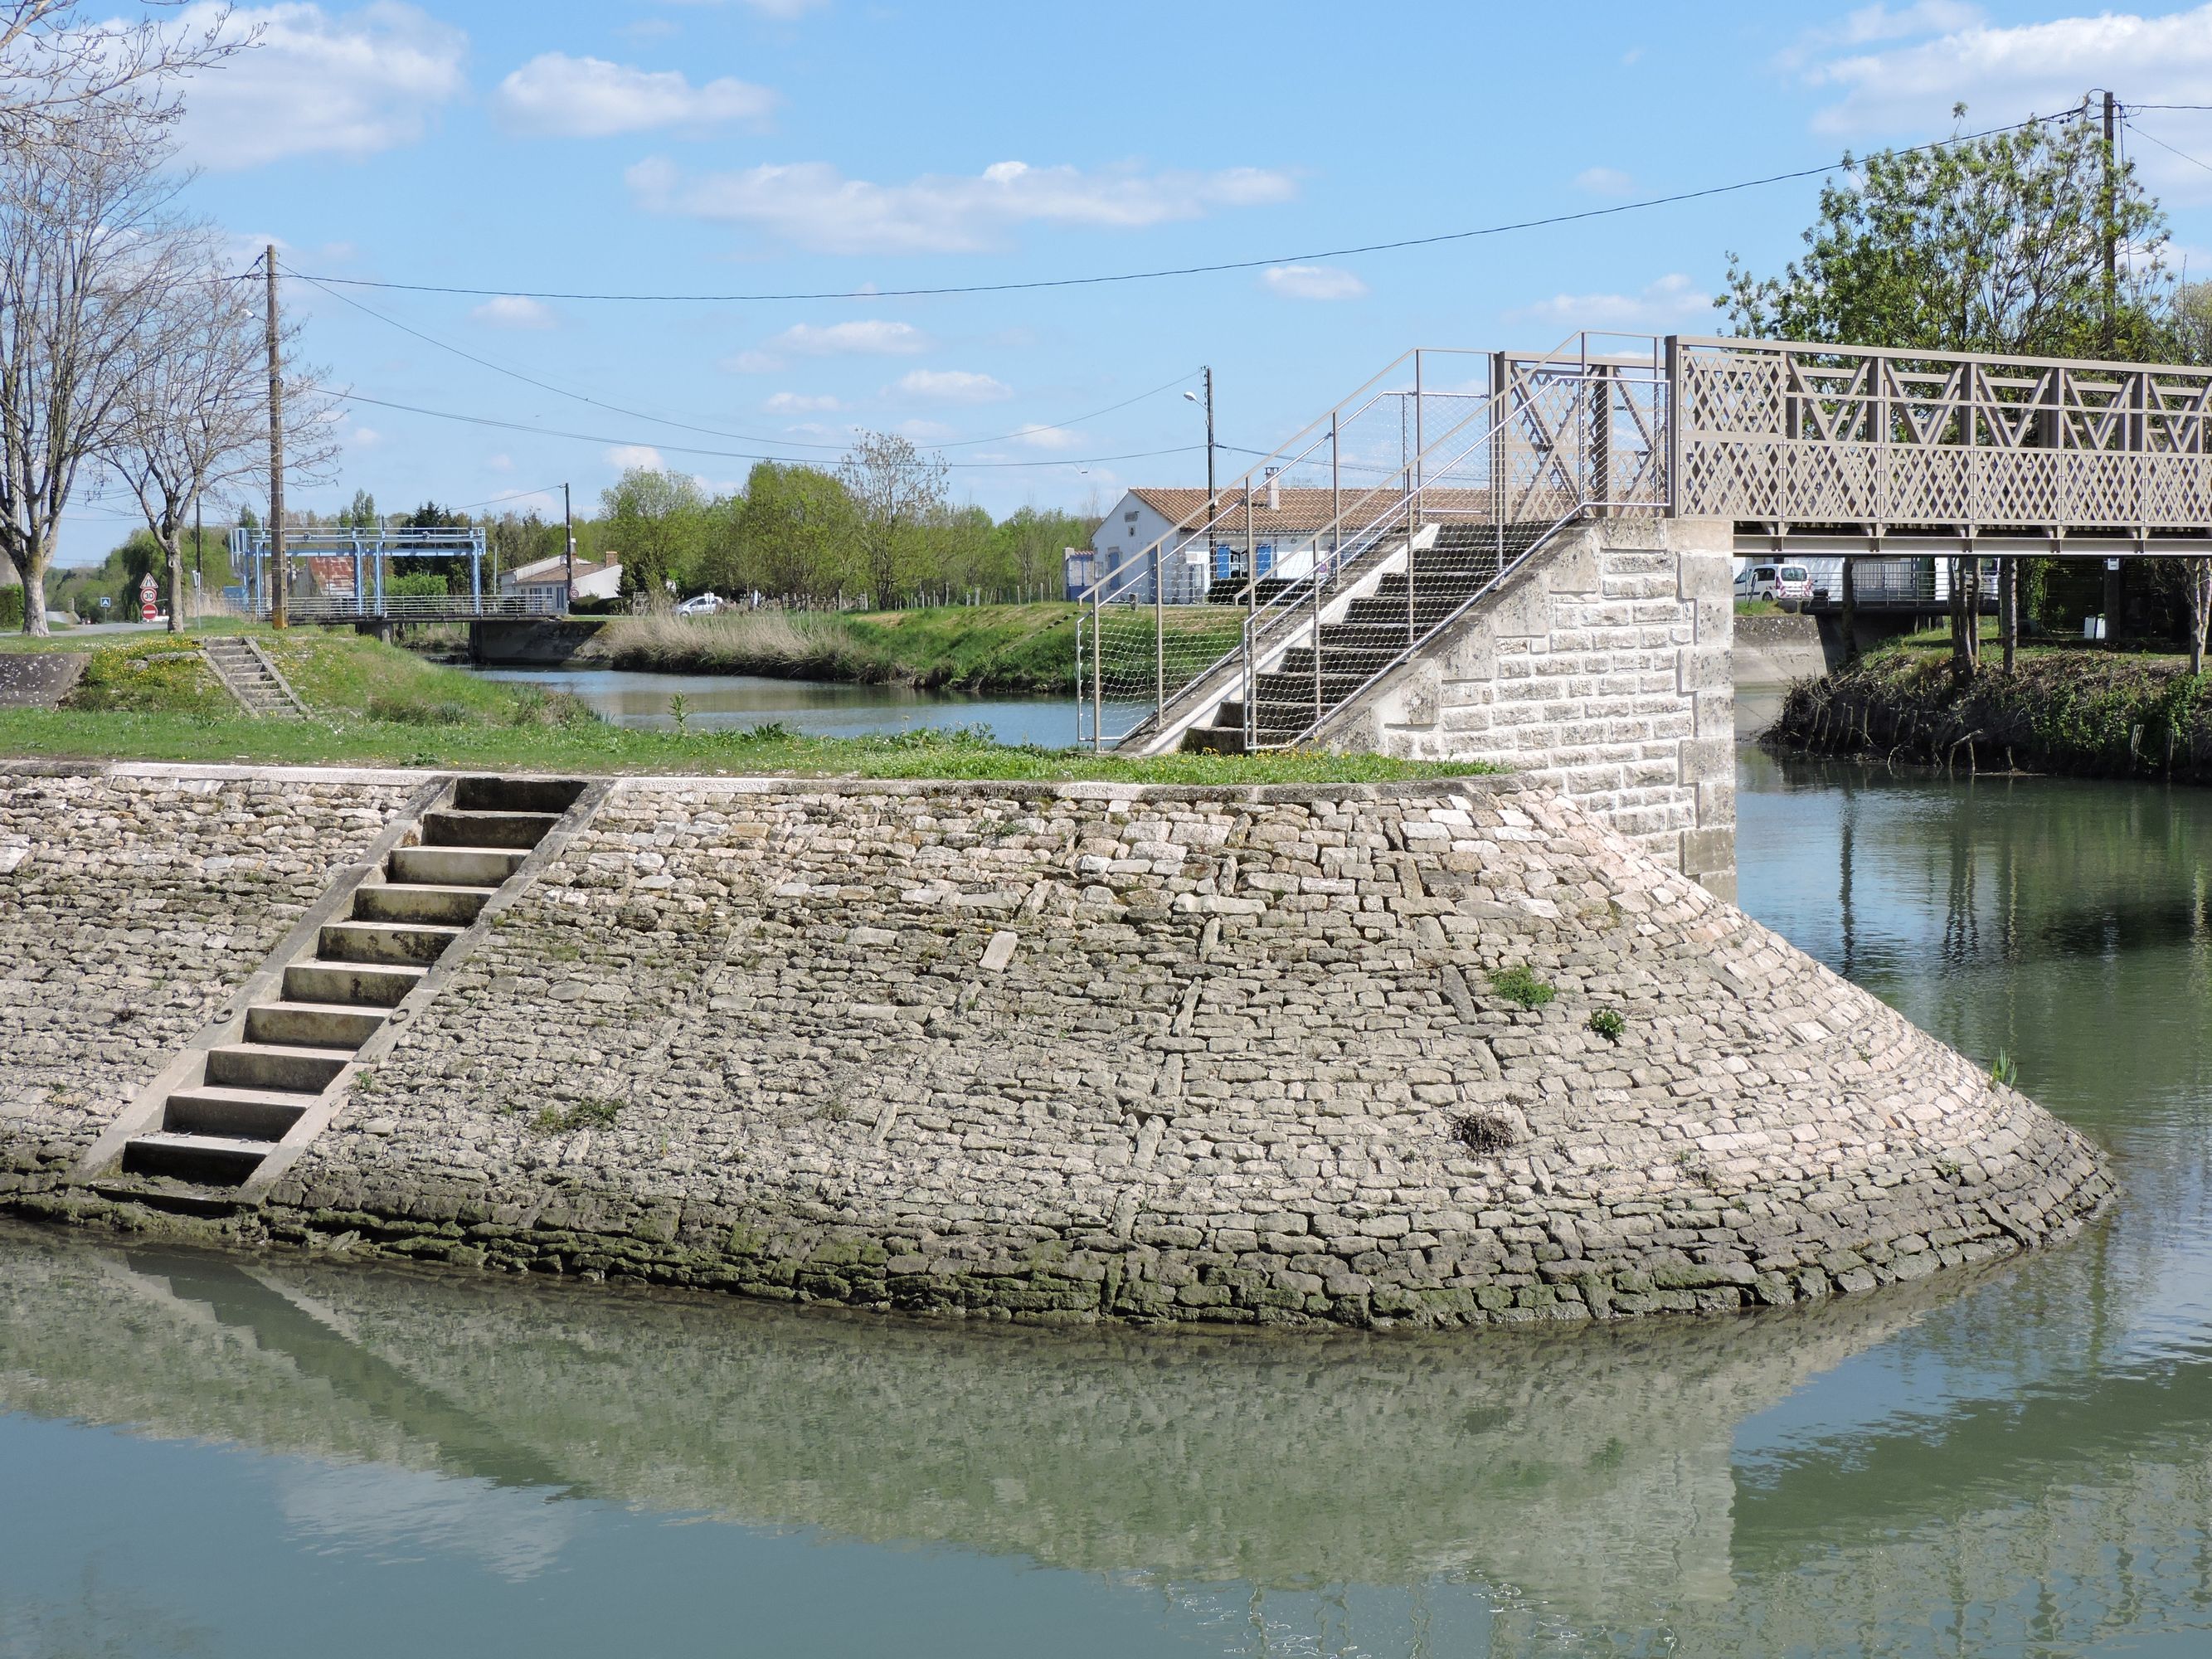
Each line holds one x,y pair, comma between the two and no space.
1784,583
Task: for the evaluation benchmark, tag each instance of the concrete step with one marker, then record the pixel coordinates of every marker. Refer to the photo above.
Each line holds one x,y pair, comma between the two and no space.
210,1109
454,866
274,1065
550,795
370,986
312,1024
486,829
384,941
454,906
209,1160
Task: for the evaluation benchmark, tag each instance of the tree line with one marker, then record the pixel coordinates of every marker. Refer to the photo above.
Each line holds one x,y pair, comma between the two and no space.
879,529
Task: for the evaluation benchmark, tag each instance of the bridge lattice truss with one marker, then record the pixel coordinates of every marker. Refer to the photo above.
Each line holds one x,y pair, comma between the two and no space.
1340,555
1861,449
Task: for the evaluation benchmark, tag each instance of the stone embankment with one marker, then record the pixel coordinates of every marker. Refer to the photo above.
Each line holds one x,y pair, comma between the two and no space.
1062,1052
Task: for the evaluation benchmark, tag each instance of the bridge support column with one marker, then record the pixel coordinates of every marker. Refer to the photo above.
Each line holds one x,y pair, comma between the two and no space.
1600,669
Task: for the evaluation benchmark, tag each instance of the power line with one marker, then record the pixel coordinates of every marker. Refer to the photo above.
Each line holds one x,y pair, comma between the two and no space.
713,431
2160,142
720,454
1173,271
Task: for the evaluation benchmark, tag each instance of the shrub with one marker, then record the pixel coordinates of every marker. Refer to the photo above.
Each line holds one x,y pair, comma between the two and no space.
1608,1024
1518,984
11,607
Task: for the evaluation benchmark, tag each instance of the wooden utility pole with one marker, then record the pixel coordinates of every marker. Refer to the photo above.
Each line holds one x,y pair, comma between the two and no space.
568,543
279,609
2112,226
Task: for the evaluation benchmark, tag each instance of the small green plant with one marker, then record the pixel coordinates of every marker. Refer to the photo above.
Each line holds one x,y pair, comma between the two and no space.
680,712
586,1113
1518,984
1484,1131
1608,1024
2005,1070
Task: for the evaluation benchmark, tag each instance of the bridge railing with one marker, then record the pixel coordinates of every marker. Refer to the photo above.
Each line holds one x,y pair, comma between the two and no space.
1797,437
416,607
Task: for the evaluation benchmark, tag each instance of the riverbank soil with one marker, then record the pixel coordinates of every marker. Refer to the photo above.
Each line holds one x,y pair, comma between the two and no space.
2075,710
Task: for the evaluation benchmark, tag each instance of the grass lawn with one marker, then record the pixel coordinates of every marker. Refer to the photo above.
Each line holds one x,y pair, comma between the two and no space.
151,697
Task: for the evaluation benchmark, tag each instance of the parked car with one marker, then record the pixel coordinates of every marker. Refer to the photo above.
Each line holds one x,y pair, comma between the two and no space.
1786,584
699,605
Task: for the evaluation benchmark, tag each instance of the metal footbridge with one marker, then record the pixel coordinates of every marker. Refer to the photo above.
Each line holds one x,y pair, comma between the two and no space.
1383,521
344,568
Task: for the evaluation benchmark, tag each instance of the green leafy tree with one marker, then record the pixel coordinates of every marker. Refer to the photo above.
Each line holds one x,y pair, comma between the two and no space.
659,522
1992,244
362,515
794,534
1031,544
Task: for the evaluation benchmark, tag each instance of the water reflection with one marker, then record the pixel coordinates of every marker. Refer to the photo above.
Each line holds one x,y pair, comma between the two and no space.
818,708
2019,1463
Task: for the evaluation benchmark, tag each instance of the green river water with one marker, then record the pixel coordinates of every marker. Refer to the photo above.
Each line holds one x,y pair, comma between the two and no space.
237,1456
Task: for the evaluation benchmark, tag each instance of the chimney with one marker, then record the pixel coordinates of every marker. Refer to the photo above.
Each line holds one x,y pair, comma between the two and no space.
1274,490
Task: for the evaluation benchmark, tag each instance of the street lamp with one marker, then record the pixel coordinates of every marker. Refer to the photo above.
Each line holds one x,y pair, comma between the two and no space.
1192,397
1213,506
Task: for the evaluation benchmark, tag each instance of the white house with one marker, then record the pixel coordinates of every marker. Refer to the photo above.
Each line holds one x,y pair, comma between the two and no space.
594,581
1277,534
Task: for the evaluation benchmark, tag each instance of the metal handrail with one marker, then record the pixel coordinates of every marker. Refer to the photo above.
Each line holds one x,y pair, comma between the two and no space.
1584,501
1151,561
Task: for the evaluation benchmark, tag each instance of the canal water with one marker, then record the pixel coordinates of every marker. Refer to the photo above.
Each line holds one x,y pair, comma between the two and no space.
814,708
266,1456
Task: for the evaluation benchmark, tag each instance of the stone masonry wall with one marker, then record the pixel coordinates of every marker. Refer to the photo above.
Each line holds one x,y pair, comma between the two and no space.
1601,670
1052,1052
1183,1054
132,901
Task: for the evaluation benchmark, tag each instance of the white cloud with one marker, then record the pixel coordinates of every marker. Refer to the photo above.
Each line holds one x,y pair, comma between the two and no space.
362,437
1313,283
555,95
1604,181
784,9
2002,74
513,311
814,206
752,362
499,463
1670,300
800,403
627,456
320,84
925,432
1053,440
954,385
873,337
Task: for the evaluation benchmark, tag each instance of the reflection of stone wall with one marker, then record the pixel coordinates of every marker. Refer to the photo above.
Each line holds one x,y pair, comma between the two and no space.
1592,1467
132,900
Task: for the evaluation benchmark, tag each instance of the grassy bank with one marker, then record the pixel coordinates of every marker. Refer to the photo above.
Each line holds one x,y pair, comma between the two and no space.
1009,649
2083,713
151,697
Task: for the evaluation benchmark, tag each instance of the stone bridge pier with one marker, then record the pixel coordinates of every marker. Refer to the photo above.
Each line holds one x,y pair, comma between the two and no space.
1600,669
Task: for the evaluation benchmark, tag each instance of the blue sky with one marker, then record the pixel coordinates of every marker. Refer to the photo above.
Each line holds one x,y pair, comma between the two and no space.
759,146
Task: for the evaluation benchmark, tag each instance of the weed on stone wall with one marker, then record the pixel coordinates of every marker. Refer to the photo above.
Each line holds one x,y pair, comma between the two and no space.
585,1114
1520,984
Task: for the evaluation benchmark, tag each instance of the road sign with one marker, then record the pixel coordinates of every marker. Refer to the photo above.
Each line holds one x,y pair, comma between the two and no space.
146,592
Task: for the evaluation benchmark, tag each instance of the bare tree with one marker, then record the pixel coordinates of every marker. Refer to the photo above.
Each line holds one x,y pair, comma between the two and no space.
87,245
191,419
63,78
897,491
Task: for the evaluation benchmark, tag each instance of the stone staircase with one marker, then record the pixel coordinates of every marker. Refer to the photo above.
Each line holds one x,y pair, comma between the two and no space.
273,1074
247,674
1362,635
